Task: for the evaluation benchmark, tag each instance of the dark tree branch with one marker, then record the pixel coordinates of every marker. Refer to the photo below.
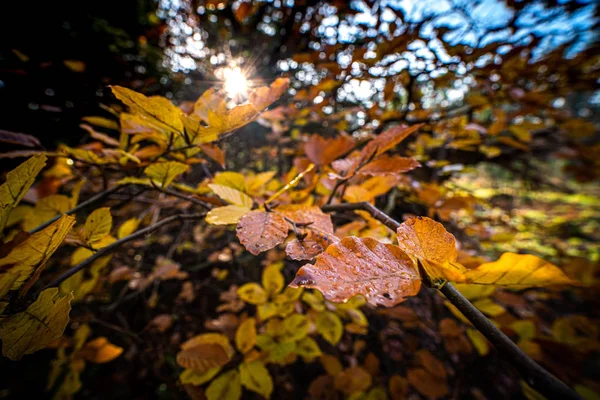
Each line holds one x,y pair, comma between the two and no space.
536,376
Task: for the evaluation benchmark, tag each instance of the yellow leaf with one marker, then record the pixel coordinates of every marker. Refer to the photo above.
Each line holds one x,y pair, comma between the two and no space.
272,279
520,133
255,182
252,293
488,307
245,336
308,349
518,270
192,377
267,310
330,327
155,108
226,387
162,174
17,183
97,225
295,327
43,321
128,227
31,254
256,377
472,292
231,195
226,215
234,180
100,351
479,341
46,209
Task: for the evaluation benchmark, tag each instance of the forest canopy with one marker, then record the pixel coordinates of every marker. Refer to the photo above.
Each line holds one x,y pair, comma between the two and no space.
301,199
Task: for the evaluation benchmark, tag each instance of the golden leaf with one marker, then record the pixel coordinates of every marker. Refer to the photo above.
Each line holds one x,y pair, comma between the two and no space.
44,321
163,173
245,336
226,215
100,351
17,183
226,387
231,195
272,279
128,227
518,270
97,225
260,231
31,254
255,376
383,273
231,179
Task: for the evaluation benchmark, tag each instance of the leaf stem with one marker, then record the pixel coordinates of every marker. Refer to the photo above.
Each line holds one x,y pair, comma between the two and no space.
536,376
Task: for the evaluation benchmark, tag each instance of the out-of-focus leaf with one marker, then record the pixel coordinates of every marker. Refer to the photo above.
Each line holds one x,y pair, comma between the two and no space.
272,279
255,376
226,215
100,351
389,165
226,387
353,380
193,377
31,330
128,227
97,225
163,173
330,326
231,195
252,293
245,336
383,273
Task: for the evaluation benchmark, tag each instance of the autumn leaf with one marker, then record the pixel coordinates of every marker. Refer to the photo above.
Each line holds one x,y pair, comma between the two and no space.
386,141
97,225
245,336
226,215
295,327
128,227
260,231
353,380
308,349
255,377
155,108
18,181
226,387
322,151
163,173
303,249
383,273
193,377
518,270
426,383
44,321
272,279
30,255
205,351
330,326
231,195
100,351
252,293
389,165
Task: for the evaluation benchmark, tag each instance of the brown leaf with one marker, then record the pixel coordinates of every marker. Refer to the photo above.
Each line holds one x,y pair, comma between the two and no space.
303,249
202,357
386,141
322,151
426,383
352,380
260,231
19,139
389,165
214,152
430,363
383,273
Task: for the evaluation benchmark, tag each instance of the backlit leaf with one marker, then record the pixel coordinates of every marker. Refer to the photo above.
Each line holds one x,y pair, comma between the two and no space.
31,254
163,173
226,387
97,225
245,336
226,215
425,239
231,195
43,321
383,273
128,227
16,185
260,231
255,377
518,270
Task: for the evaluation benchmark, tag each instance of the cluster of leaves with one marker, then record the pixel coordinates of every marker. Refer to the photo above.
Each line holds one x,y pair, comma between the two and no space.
151,155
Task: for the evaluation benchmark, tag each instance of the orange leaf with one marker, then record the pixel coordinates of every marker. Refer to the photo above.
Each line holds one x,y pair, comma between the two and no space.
100,351
389,165
260,231
203,357
322,151
426,383
352,380
383,273
425,239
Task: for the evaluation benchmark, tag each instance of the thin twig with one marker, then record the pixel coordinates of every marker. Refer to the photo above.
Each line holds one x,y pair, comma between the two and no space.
81,206
188,198
105,250
536,376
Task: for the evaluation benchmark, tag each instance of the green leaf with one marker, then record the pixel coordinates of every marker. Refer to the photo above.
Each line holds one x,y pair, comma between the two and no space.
18,181
43,321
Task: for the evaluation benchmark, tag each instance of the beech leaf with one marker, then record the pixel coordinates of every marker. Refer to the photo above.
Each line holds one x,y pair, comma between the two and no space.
255,377
44,321
383,273
231,195
260,231
226,387
245,336
163,173
97,225
226,215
